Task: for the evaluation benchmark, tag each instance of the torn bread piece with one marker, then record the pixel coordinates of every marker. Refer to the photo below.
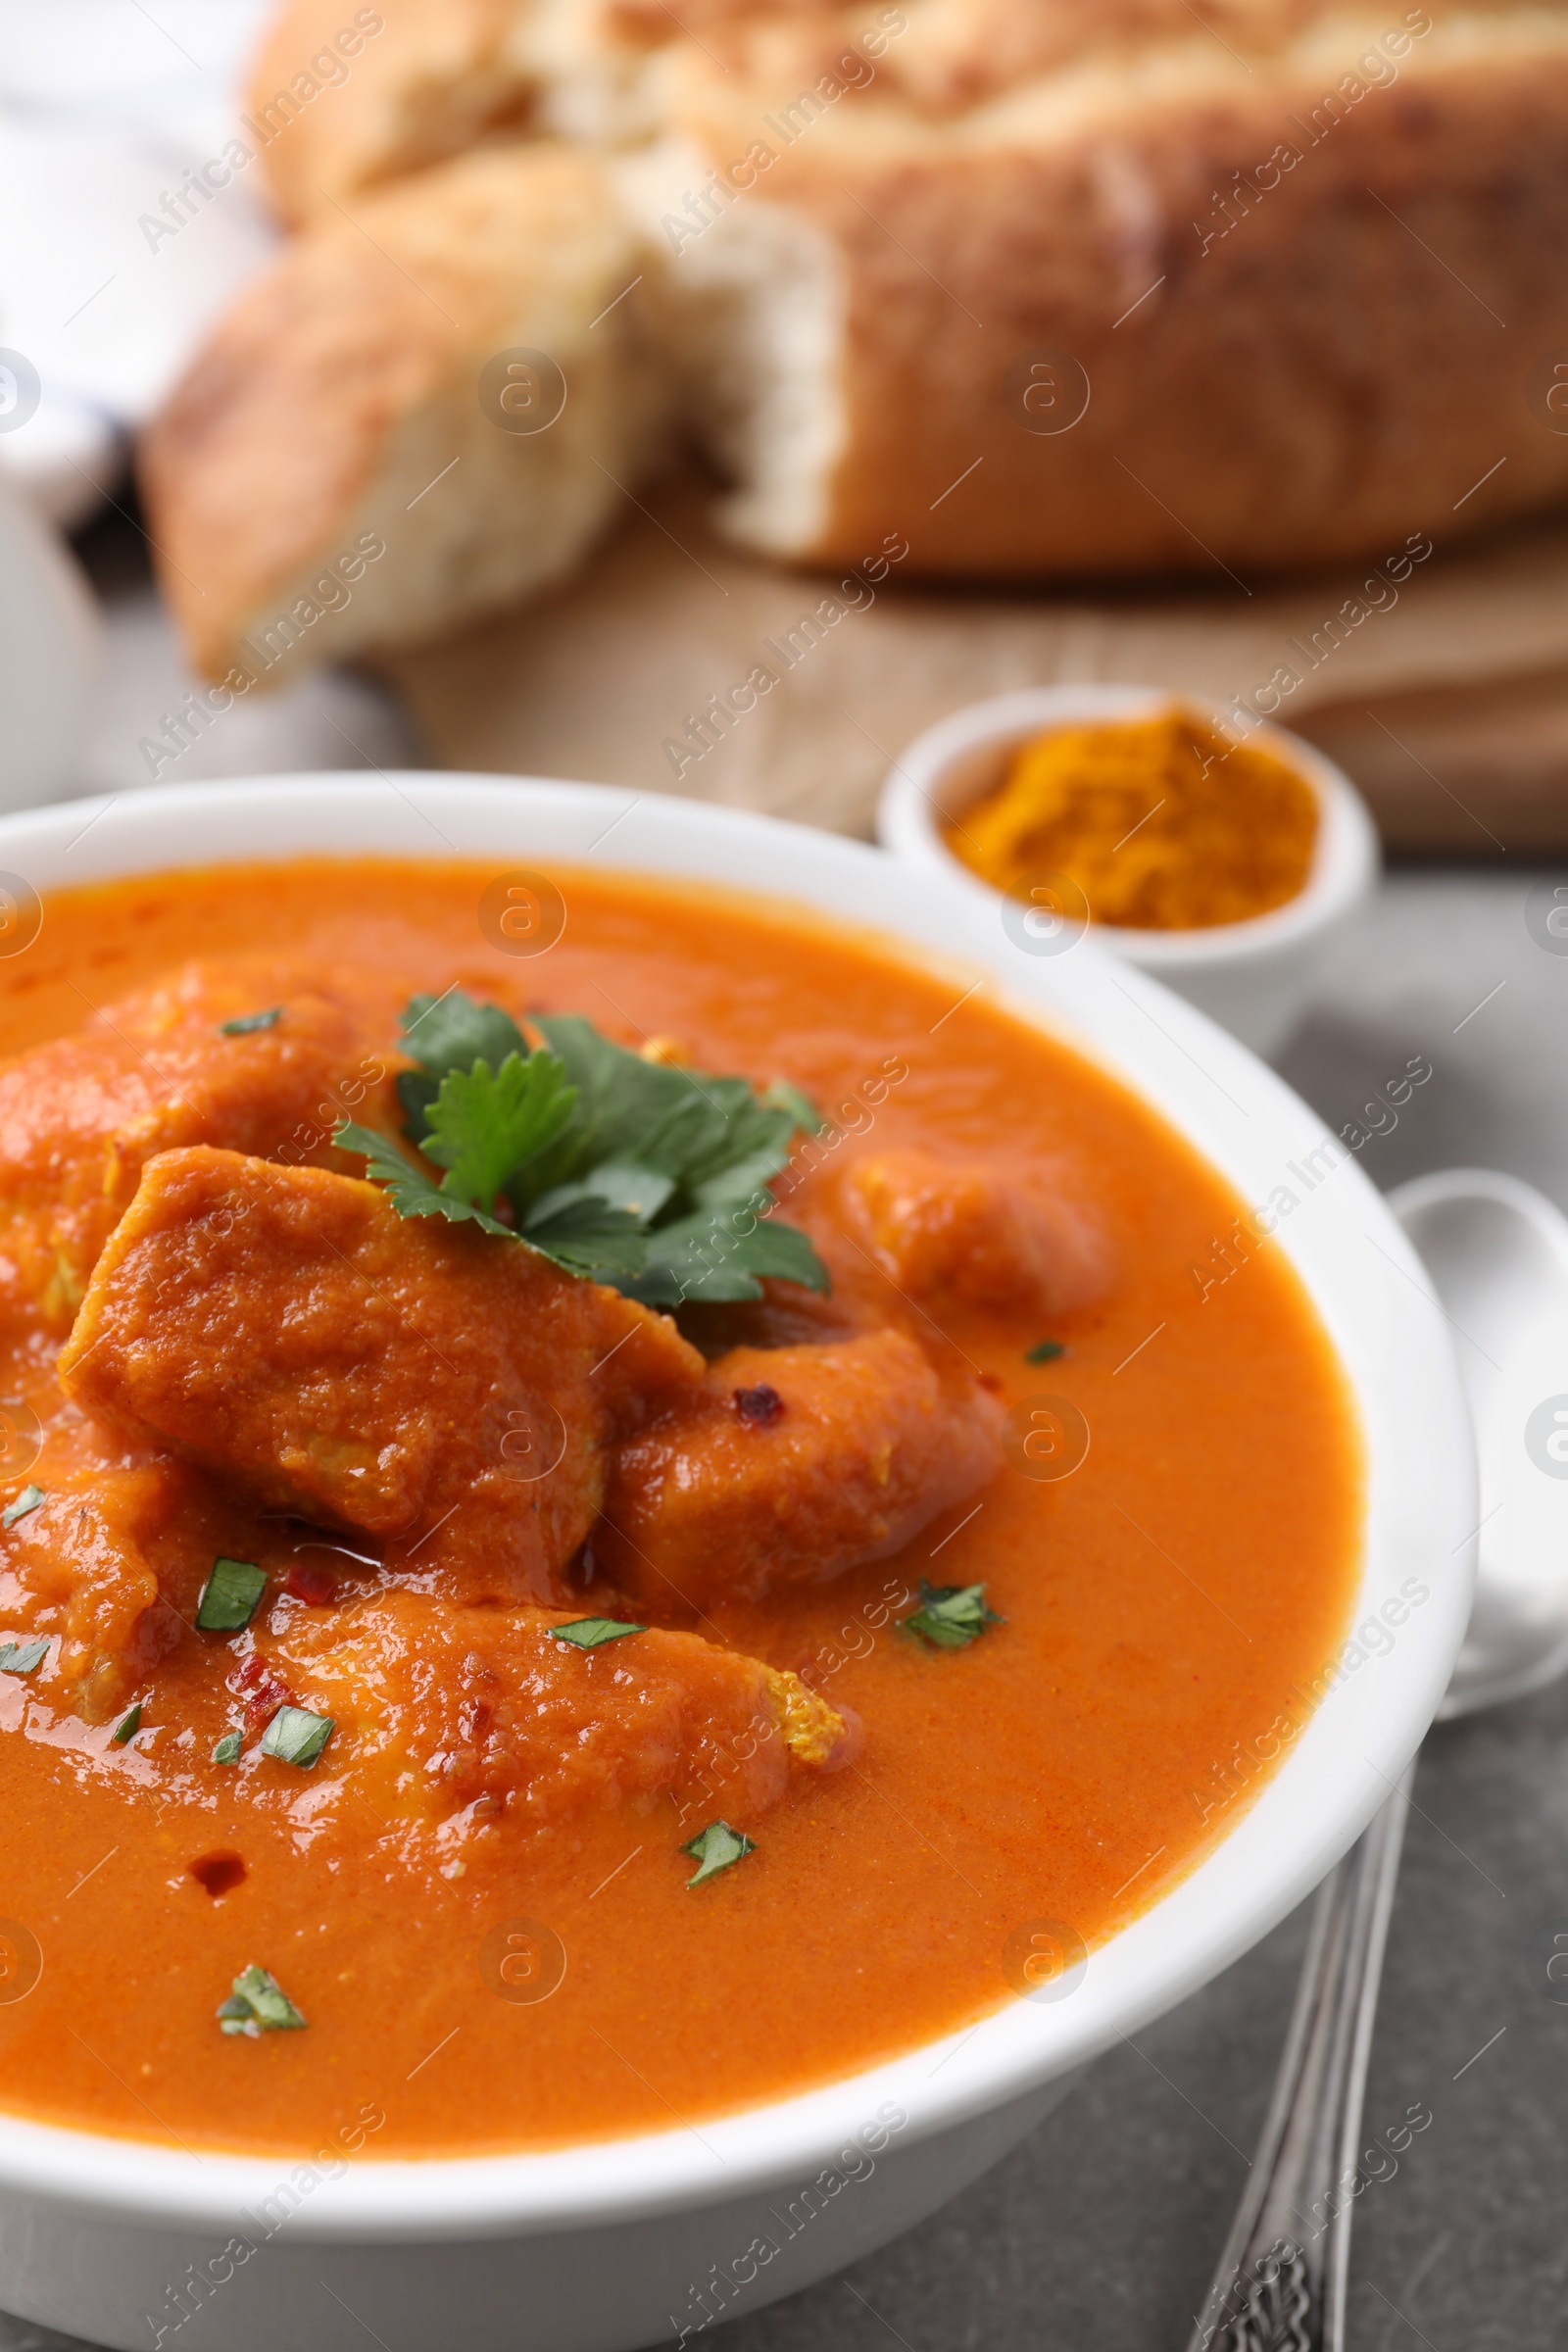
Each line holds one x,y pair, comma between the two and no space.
749,300
419,413
346,100
346,103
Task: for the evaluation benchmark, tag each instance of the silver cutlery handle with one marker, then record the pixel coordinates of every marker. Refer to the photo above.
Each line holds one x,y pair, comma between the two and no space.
1281,2281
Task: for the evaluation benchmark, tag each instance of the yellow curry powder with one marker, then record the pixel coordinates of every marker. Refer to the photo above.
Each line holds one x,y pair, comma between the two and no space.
1163,824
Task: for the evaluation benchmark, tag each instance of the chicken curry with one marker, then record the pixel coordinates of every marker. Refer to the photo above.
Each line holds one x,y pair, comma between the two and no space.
595,1537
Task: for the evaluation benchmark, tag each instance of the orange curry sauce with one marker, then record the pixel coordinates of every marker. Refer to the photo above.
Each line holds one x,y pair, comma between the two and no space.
1162,1607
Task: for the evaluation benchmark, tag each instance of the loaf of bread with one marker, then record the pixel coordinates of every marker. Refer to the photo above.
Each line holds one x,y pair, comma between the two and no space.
414,417
1049,288
343,101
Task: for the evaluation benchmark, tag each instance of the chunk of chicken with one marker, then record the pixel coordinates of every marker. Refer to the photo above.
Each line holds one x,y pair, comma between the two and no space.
973,1236
81,1565
80,1116
794,1463
414,1378
111,1540
444,1711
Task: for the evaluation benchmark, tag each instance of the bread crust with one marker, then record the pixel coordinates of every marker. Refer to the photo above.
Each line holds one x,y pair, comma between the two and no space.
428,81
1295,266
1343,363
261,465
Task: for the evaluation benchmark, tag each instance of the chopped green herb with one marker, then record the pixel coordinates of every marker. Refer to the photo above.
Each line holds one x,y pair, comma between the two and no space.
227,1750
1045,1351
246,1022
412,1194
950,1615
128,1726
589,1632
641,1193
258,2005
452,1032
297,1736
27,1500
230,1597
485,1124
717,1847
782,1096
23,1658
643,1175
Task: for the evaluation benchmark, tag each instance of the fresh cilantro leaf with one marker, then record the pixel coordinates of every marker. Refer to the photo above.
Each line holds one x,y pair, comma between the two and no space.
804,1113
781,1252
739,1136
693,1136
637,1173
486,1124
258,2005
591,1633
662,1287
128,1726
230,1597
1044,1351
27,1500
412,1192
951,1616
717,1848
227,1750
295,1736
704,1258
641,1192
246,1022
417,1090
733,1187
718,1140
584,1237
587,1237
451,1033
23,1658
684,1123
621,1099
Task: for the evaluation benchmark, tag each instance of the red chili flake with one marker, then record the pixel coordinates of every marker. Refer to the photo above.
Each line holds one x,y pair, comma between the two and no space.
316,1586
261,1693
758,1407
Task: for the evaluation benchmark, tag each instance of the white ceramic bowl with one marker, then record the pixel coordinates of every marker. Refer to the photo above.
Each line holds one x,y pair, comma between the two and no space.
1255,977
600,2247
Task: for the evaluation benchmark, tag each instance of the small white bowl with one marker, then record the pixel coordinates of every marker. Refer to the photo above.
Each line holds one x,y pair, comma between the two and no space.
1253,977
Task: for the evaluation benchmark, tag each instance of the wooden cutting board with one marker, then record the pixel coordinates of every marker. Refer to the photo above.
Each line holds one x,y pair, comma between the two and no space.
1442,690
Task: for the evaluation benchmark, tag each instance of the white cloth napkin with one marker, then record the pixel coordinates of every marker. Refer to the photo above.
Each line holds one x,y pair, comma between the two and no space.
106,287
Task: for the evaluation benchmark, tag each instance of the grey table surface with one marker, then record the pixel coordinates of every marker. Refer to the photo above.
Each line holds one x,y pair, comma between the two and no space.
1100,2233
